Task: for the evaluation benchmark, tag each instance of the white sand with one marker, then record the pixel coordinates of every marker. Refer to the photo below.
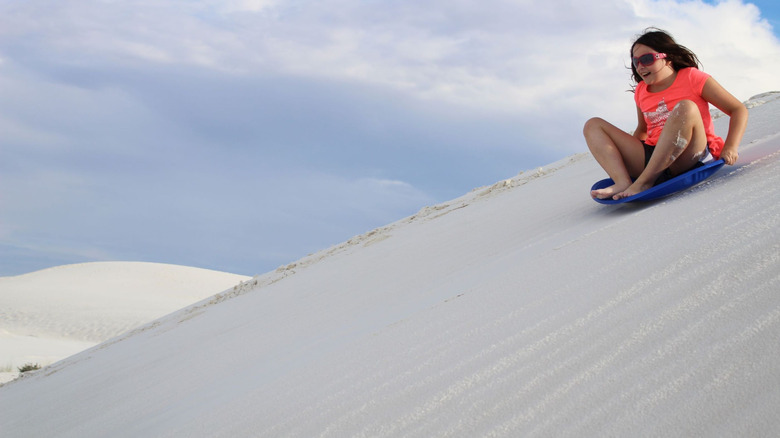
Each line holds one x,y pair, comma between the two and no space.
522,309
50,314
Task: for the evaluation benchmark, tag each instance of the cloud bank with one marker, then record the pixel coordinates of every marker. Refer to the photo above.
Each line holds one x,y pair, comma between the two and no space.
136,130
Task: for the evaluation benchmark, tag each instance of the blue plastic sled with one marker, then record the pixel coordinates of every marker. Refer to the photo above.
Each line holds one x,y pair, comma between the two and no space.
666,188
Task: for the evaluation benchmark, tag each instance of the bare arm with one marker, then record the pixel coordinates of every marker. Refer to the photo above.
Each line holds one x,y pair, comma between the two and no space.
641,126
715,94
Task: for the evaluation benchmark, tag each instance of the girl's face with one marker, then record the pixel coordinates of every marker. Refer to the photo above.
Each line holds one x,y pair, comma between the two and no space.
655,73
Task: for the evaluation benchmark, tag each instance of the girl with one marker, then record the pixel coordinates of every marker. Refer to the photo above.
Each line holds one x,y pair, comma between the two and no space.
674,129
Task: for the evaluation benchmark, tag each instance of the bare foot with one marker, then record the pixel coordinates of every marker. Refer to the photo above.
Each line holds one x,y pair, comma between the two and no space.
608,192
632,190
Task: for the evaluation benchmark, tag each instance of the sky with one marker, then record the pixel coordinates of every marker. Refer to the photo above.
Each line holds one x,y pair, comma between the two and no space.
242,135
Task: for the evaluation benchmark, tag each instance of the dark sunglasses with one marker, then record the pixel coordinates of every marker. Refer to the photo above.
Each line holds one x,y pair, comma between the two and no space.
647,59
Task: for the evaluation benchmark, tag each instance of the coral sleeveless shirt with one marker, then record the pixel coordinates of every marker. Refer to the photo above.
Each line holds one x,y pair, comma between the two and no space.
657,107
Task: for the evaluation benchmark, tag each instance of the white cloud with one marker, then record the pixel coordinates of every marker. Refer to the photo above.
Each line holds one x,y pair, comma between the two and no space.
499,55
232,6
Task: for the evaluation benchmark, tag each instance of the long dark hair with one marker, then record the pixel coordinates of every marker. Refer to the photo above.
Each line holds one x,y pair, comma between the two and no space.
660,41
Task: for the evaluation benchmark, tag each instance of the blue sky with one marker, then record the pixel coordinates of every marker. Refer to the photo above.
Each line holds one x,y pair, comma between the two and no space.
770,11
241,135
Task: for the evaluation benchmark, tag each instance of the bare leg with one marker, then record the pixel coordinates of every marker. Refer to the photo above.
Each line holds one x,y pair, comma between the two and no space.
620,154
682,143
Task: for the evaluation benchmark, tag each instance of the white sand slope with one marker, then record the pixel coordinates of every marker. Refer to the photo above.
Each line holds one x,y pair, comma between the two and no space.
521,309
50,314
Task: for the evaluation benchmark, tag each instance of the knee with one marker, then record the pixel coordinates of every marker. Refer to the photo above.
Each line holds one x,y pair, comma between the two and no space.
592,125
685,108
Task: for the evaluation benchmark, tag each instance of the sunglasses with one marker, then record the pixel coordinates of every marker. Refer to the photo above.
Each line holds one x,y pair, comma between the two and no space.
647,59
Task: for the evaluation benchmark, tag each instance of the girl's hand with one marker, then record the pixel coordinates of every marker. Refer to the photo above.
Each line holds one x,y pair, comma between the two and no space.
729,157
